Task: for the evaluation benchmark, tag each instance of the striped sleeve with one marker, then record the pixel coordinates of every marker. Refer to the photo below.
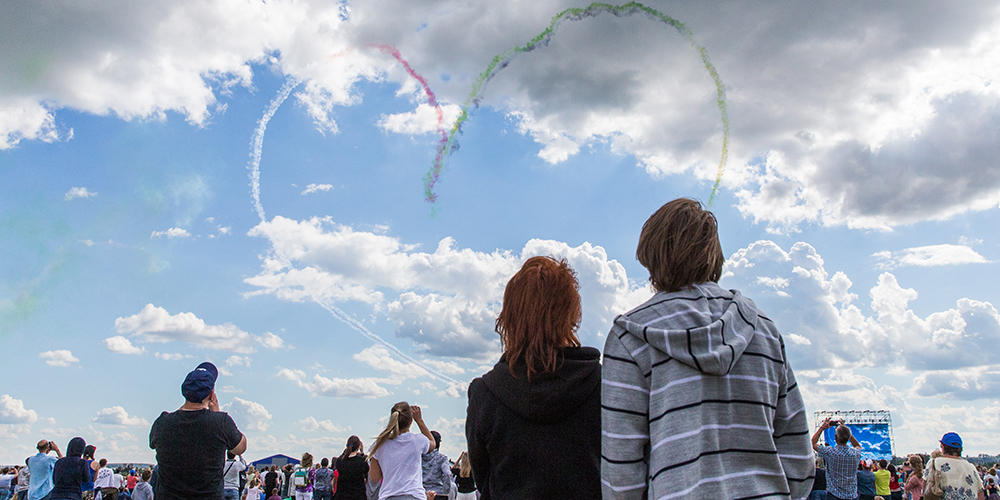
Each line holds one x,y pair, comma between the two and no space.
791,435
624,423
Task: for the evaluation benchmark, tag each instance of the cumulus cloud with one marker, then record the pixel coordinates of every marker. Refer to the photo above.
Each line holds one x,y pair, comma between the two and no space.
319,385
447,300
155,324
122,345
313,188
13,412
116,415
832,330
310,424
174,232
235,360
61,357
931,255
422,120
78,192
170,356
248,414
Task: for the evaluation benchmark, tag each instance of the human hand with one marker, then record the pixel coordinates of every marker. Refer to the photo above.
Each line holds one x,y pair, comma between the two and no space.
213,402
417,415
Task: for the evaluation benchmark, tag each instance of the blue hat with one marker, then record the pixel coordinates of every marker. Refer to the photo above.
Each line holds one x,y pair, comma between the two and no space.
952,439
200,383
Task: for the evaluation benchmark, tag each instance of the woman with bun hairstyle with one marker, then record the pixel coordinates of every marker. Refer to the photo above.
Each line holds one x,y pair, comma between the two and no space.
396,455
534,421
351,471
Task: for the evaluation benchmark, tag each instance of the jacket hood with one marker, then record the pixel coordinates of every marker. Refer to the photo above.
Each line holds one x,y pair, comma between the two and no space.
75,447
705,326
548,397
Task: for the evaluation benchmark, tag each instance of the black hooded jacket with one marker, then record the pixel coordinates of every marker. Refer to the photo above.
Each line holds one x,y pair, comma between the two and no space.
71,472
538,439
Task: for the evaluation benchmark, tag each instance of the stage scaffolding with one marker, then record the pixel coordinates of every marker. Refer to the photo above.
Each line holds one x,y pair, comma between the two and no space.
857,417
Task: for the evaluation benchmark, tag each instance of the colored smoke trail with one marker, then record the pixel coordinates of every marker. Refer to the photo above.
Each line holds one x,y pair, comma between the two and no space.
257,142
432,176
502,60
256,148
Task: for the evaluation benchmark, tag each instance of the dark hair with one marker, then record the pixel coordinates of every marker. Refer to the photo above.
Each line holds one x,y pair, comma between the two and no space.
541,311
104,462
324,462
307,461
437,439
882,463
146,474
951,450
89,451
892,469
679,246
230,455
353,443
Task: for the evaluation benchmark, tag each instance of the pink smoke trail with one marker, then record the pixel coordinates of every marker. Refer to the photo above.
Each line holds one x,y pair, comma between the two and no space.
432,100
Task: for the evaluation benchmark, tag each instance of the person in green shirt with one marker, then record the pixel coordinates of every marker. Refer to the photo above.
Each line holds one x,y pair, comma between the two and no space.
882,477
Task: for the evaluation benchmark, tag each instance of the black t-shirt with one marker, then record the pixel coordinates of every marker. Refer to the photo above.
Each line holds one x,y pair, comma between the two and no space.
465,484
191,453
351,475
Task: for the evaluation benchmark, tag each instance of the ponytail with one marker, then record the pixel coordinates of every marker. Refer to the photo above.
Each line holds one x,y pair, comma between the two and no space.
399,422
353,444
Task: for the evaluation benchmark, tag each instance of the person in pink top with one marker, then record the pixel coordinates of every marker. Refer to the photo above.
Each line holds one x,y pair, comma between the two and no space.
915,482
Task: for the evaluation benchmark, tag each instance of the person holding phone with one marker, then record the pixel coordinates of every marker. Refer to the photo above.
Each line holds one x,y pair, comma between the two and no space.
841,460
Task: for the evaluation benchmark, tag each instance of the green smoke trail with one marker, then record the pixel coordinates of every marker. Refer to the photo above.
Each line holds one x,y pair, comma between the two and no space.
502,60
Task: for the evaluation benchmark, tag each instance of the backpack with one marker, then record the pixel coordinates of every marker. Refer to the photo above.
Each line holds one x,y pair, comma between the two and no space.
301,478
243,476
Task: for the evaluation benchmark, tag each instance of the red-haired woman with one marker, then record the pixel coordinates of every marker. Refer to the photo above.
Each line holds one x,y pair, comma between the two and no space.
534,420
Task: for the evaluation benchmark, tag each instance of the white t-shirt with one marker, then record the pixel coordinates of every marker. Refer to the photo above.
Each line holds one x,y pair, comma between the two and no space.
117,481
232,477
104,477
401,466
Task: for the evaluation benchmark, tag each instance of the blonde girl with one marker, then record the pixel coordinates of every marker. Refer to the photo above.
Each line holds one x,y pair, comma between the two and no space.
466,483
395,456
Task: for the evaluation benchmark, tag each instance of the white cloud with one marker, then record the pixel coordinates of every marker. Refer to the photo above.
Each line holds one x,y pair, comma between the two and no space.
447,299
271,341
335,387
931,255
61,357
12,411
116,415
89,243
170,356
235,360
312,188
122,345
174,232
310,424
378,357
225,230
155,324
78,192
229,389
248,415
422,120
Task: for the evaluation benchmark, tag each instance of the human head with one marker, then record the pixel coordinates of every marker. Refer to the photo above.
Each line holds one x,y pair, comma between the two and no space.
230,455
882,463
89,451
842,435
146,474
200,383
325,462
400,419
353,445
75,447
464,466
540,314
918,465
307,461
437,439
104,462
951,444
679,246
44,446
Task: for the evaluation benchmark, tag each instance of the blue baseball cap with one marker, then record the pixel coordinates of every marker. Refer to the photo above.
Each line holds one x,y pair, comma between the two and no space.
200,383
952,439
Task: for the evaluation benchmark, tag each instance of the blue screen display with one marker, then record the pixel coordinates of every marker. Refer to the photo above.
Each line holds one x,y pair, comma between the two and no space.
874,439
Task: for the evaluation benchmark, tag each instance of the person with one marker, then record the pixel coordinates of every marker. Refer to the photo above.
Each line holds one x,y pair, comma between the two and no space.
253,492
93,465
351,471
992,491
131,481
41,466
104,481
841,461
231,476
882,477
895,488
191,442
436,469
395,458
6,478
819,481
866,482
23,481
915,481
70,472
991,474
323,481
271,480
533,423
304,477
465,482
287,490
143,490
698,397
960,480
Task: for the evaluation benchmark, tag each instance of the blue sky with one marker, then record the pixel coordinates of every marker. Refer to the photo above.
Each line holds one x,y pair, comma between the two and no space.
859,206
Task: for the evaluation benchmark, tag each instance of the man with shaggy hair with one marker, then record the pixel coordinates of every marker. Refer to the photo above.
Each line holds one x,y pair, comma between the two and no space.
698,399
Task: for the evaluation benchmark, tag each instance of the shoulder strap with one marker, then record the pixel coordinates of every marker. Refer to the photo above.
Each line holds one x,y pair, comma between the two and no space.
228,468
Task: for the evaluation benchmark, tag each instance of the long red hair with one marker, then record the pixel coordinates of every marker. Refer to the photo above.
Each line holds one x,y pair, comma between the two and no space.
540,315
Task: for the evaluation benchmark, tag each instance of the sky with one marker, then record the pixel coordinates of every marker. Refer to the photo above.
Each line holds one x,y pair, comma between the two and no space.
858,205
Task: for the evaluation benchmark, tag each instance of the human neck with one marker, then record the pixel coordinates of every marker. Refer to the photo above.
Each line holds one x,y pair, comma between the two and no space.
189,406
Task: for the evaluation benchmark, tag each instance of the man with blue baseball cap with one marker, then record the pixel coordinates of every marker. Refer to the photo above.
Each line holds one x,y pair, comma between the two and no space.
191,443
960,479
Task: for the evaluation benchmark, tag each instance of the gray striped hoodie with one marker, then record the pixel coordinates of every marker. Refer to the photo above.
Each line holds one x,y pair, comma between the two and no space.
698,401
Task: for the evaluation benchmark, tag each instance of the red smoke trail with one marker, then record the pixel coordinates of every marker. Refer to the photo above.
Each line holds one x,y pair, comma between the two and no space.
432,100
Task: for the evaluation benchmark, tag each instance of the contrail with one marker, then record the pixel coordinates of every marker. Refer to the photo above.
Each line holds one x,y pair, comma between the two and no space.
256,148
